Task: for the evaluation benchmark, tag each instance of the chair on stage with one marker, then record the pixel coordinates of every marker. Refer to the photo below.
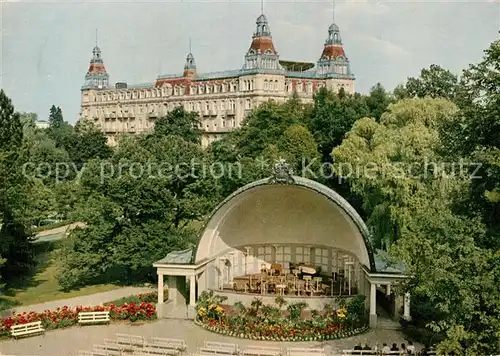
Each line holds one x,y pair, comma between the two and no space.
280,289
301,287
309,288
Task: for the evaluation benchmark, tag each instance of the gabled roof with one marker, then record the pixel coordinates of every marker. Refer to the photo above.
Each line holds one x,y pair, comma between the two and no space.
183,257
384,263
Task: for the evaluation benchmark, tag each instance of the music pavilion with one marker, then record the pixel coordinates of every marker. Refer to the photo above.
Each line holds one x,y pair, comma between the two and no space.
285,235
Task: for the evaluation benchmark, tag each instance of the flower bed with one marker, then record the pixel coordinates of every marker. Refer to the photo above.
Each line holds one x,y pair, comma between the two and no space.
265,322
65,316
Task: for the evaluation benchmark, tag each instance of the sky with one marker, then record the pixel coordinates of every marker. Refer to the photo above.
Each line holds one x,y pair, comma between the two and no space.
46,45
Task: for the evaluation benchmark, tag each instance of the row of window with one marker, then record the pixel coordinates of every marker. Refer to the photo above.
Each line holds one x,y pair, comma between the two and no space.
270,85
213,125
329,259
333,68
246,85
329,263
269,63
133,125
200,107
168,91
210,88
302,87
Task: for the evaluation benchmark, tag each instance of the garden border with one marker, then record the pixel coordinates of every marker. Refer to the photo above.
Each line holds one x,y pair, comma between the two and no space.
336,336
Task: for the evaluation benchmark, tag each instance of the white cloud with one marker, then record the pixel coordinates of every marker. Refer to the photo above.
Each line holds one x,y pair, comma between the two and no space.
385,48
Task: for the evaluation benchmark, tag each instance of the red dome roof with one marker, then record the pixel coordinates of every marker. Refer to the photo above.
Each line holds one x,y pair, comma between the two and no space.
333,51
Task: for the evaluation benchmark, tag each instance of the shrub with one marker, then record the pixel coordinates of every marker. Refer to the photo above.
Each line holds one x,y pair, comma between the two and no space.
137,299
295,310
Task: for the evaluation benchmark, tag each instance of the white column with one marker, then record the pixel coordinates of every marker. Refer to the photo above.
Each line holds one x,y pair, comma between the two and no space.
192,290
406,308
373,299
373,305
247,252
388,290
349,271
160,288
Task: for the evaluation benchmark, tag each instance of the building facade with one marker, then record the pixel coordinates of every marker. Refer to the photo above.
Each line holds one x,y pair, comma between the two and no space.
221,99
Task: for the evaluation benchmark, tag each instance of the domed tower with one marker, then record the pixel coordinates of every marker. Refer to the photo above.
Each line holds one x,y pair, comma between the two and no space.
262,54
190,66
96,76
333,59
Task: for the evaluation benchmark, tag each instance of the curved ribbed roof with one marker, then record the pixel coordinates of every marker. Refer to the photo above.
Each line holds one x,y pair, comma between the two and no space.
313,186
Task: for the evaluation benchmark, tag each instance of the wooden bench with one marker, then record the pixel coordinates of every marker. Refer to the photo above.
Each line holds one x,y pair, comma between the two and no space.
215,351
154,351
130,341
359,352
85,353
296,351
27,329
261,351
112,343
92,353
222,345
93,317
175,344
107,350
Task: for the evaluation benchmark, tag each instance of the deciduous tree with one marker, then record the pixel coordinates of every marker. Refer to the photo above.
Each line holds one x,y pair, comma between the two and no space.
179,122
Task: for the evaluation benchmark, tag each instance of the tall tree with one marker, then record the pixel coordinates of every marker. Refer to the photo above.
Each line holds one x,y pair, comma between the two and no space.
137,207
11,128
265,125
434,82
400,150
15,246
179,122
333,117
87,142
56,120
476,138
59,130
377,101
298,147
399,169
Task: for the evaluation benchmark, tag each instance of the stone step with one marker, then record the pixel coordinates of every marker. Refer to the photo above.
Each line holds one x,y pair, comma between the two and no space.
388,325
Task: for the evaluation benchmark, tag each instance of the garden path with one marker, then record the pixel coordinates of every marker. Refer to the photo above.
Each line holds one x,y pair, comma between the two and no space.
56,234
87,300
66,342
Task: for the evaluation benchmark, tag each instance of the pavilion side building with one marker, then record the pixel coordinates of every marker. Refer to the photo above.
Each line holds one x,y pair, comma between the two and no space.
221,99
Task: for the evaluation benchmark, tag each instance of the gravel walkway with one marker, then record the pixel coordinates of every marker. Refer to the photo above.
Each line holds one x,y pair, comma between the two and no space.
67,342
56,234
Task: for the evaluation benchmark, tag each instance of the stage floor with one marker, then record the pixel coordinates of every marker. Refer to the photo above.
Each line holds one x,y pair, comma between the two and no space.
314,302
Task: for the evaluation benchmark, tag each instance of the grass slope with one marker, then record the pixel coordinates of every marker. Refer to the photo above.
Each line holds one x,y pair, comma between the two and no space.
42,285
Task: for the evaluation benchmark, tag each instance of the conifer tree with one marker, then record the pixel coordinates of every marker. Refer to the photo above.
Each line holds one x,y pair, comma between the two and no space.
14,247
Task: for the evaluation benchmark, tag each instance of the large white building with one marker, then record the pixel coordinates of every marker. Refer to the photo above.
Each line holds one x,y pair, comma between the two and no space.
220,98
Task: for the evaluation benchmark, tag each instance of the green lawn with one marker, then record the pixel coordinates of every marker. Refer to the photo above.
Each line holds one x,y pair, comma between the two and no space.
46,288
43,286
